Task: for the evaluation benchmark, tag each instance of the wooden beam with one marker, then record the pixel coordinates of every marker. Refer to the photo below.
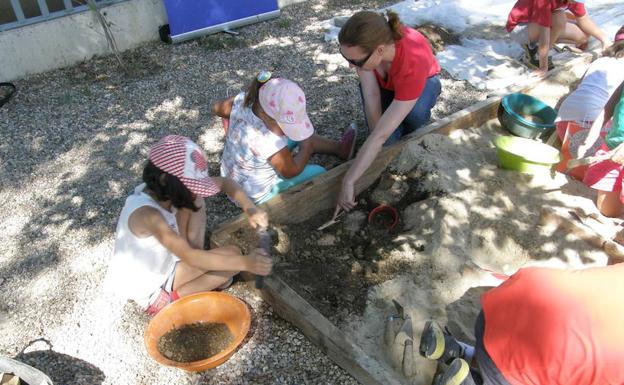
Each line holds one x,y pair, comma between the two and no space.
331,340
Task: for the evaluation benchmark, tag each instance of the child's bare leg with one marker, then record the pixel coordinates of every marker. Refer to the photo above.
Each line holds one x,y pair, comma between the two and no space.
534,32
565,32
609,203
189,279
323,145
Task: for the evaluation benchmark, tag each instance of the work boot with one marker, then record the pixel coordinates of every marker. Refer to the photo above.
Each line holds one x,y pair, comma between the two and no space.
458,373
436,344
531,58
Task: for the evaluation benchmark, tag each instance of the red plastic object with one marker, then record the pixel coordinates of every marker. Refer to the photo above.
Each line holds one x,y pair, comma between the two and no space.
385,208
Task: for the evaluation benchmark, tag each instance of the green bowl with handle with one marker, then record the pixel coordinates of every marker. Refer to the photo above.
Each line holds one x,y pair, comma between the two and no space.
525,155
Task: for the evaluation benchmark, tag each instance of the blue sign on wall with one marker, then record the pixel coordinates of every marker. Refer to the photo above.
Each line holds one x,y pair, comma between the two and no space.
193,18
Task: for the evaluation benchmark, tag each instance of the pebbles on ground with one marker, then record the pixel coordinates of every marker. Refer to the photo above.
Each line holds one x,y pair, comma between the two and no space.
74,142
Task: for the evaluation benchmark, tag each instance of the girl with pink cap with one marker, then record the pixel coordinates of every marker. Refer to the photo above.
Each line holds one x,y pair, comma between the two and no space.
159,251
265,124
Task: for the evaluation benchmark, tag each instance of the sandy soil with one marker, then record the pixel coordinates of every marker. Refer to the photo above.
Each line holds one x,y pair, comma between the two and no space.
73,145
478,217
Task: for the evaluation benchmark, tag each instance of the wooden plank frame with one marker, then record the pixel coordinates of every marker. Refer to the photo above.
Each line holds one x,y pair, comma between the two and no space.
320,194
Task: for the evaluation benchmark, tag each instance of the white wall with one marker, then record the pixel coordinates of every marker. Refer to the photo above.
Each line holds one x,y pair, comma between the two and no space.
69,40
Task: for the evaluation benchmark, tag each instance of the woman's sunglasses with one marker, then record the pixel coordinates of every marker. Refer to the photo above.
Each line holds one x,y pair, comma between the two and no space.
357,63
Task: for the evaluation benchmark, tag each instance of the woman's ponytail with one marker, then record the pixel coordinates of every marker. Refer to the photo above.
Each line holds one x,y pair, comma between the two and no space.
369,29
395,25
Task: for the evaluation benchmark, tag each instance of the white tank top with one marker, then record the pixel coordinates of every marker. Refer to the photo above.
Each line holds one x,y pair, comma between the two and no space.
602,78
139,266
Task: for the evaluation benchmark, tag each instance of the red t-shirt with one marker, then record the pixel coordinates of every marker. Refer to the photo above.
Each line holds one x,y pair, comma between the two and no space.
413,63
540,12
549,326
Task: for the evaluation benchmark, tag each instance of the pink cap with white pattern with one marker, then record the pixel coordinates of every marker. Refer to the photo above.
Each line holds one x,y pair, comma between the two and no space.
284,101
182,158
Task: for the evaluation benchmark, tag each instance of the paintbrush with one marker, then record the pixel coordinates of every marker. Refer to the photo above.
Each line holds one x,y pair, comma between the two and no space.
333,220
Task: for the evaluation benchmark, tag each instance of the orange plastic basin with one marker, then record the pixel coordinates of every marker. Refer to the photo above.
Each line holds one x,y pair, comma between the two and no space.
211,306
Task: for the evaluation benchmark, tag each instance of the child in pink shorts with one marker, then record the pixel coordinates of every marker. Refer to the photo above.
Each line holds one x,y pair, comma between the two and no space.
606,176
579,110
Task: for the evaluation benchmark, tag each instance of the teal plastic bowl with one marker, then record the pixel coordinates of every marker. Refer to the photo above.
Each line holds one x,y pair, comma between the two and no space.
526,116
525,155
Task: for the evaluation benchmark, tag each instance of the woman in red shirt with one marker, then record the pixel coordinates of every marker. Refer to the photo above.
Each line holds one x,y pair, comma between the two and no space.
541,327
398,80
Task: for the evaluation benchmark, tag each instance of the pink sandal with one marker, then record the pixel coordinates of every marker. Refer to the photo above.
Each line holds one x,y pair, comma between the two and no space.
349,137
164,298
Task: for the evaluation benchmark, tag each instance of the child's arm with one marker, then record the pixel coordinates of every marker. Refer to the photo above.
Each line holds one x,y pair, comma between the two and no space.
289,166
221,259
587,25
592,136
609,108
223,108
257,218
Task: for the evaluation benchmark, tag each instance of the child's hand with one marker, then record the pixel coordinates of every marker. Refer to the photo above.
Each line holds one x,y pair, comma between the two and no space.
618,154
257,218
259,263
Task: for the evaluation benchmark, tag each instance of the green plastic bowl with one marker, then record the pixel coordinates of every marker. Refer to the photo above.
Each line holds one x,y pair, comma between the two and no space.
526,116
525,155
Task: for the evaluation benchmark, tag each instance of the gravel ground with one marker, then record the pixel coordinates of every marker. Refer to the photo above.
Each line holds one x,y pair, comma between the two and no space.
73,145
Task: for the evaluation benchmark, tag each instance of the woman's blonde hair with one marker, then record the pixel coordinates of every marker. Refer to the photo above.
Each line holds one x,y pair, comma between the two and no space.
368,30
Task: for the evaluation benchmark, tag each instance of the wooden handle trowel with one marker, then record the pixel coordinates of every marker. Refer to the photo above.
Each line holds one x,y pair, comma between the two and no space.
264,241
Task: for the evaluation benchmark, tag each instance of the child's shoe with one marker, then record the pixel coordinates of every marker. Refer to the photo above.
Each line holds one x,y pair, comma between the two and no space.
163,299
531,58
458,373
436,344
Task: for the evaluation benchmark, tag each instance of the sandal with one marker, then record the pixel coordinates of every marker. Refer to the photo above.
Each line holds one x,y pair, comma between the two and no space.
349,137
438,344
163,299
458,373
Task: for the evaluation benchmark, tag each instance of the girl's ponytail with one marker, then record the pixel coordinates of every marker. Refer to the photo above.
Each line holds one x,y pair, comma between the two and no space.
251,96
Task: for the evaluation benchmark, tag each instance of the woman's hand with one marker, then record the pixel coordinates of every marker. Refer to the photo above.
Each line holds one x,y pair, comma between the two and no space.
257,218
346,198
